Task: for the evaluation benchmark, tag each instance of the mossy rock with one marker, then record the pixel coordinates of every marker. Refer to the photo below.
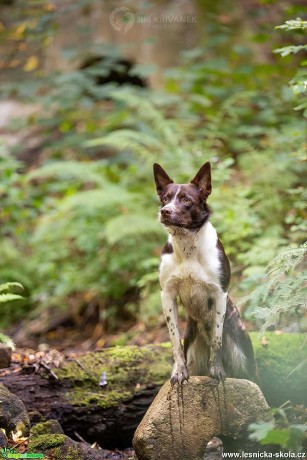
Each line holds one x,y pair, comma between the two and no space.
282,367
14,418
49,427
128,370
59,447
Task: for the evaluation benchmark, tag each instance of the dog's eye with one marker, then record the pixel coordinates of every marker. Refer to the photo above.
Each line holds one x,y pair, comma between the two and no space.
165,199
186,200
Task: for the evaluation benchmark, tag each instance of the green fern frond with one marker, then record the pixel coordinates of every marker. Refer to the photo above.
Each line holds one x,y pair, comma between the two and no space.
286,261
7,341
130,225
293,24
78,171
91,201
83,210
8,297
6,287
148,113
125,139
284,293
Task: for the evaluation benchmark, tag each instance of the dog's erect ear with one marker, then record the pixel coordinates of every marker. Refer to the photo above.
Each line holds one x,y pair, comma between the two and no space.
161,178
202,180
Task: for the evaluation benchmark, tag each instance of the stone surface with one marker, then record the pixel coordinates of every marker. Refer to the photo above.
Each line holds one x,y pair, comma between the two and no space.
3,440
59,447
182,420
14,418
5,356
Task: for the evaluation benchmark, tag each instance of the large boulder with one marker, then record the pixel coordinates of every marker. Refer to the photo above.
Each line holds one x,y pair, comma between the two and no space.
14,418
183,419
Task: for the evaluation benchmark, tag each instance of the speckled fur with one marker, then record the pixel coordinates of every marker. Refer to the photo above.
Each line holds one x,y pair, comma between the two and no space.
195,269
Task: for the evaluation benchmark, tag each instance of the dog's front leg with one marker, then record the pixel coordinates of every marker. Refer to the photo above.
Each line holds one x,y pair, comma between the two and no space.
180,372
216,366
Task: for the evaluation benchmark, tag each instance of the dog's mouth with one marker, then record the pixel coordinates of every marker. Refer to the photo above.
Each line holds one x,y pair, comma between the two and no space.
171,222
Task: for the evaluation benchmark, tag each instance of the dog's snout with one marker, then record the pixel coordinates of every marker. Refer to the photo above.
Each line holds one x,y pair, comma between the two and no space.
166,212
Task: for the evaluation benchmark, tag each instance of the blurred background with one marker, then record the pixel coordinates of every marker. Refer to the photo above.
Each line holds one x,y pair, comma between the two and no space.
93,93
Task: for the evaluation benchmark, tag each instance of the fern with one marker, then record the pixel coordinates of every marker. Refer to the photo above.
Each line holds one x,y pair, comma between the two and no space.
133,225
286,261
293,24
8,286
147,111
7,341
69,171
284,292
7,296
299,82
125,139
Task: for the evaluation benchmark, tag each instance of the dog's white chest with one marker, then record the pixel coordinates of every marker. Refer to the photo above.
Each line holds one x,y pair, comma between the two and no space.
193,271
195,285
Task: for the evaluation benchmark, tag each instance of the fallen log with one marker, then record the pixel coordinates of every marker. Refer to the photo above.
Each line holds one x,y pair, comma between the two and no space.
102,396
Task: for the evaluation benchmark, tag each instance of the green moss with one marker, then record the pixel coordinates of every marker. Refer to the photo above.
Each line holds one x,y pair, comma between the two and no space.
128,369
282,367
69,453
103,400
72,454
45,442
49,427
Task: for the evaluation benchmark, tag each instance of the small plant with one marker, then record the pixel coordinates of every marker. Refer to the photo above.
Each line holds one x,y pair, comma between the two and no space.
9,292
279,432
299,81
284,292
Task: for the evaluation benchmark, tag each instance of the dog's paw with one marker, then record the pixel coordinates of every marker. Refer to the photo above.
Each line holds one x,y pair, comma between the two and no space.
179,374
217,372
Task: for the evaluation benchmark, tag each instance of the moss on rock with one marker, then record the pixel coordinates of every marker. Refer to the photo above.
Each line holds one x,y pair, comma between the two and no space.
128,370
49,427
45,442
59,447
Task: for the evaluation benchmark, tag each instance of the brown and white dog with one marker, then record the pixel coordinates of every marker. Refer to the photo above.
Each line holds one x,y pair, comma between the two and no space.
195,268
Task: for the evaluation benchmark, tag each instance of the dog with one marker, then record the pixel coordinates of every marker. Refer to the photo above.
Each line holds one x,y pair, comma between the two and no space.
195,269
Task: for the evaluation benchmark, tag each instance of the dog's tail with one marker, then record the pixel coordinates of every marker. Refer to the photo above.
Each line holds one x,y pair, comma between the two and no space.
238,354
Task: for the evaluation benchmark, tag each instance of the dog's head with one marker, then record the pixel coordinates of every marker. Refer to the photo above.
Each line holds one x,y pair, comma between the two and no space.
184,205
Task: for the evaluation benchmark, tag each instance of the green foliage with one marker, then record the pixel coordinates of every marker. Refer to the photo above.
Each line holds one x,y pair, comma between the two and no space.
279,432
283,295
299,82
84,230
7,341
6,294
9,294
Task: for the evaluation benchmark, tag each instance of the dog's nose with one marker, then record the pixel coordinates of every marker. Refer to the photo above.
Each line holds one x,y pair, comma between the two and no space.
165,212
